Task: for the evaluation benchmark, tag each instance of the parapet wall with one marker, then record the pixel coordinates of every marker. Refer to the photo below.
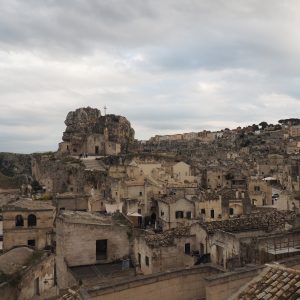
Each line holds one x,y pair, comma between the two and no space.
185,284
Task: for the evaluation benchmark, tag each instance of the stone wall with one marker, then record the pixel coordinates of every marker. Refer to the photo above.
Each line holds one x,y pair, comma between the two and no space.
185,284
222,286
77,242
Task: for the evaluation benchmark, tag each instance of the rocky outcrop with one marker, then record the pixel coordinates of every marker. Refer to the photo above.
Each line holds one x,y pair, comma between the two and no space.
86,121
15,169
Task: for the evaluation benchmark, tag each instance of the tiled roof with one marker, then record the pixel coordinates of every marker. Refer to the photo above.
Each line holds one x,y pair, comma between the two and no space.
277,283
266,222
166,238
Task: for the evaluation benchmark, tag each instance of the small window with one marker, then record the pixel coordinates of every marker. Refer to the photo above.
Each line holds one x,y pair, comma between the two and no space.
188,215
62,208
179,214
139,210
19,221
31,220
231,211
139,258
212,214
141,193
116,193
256,188
162,213
31,243
187,248
203,211
219,177
147,260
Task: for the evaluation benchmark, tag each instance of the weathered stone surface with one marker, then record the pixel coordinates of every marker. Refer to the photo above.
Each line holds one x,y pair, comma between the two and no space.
86,121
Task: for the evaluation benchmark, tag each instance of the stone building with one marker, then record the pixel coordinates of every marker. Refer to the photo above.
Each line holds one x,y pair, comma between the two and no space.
165,251
27,223
27,274
84,238
175,211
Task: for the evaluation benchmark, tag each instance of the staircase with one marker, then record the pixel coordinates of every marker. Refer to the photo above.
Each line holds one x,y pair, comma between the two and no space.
93,164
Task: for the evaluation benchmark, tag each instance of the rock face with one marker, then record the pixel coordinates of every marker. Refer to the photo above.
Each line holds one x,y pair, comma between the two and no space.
84,123
15,169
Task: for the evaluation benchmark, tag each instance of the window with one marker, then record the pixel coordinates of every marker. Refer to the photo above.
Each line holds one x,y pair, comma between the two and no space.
147,260
188,215
62,208
231,211
96,150
101,249
187,248
219,177
203,211
139,258
141,193
19,221
179,214
116,193
31,243
139,210
162,213
31,220
256,188
212,214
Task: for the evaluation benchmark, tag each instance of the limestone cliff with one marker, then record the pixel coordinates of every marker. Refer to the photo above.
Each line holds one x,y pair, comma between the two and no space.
86,121
15,169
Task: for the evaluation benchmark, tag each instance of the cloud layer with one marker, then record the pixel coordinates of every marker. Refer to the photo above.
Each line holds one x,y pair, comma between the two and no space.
168,66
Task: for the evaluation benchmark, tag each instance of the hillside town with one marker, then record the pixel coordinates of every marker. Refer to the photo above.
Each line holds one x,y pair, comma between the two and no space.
198,215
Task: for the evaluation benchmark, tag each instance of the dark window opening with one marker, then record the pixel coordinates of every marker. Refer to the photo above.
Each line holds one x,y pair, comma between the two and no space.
179,214
162,213
147,260
188,215
139,210
31,220
203,211
62,208
212,214
256,188
96,149
101,249
31,243
74,150
141,193
187,248
139,258
231,211
19,221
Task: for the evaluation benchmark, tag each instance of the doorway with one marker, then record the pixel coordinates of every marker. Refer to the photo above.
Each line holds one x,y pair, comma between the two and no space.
101,249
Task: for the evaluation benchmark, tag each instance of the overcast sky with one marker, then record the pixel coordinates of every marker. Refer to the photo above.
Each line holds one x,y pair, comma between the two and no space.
167,65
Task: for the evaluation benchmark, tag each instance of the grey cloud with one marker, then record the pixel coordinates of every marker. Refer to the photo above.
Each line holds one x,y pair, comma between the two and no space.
167,66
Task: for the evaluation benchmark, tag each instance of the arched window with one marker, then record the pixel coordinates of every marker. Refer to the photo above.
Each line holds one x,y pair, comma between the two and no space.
19,220
31,220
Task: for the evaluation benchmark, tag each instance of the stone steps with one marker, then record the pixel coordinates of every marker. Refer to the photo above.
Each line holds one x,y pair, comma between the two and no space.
93,165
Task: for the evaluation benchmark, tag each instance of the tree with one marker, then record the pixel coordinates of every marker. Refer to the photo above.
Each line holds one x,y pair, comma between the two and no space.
263,125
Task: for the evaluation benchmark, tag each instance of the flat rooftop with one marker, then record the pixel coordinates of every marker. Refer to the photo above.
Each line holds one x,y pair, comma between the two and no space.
29,205
103,274
82,217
